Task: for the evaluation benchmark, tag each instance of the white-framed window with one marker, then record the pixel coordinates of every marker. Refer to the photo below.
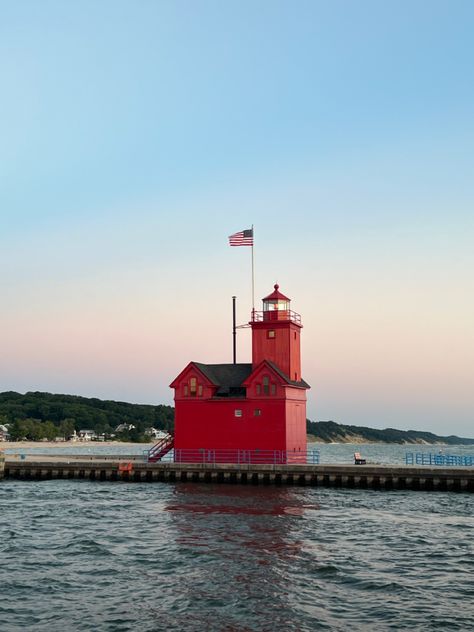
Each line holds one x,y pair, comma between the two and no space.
271,333
257,412
238,412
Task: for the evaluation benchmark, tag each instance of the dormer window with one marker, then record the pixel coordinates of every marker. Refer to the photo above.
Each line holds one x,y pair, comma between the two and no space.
193,386
266,385
185,390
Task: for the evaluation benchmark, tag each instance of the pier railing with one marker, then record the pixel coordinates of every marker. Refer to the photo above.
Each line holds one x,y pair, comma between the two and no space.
427,458
275,457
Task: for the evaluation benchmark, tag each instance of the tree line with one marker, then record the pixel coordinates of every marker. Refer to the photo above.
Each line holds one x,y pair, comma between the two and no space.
35,416
330,431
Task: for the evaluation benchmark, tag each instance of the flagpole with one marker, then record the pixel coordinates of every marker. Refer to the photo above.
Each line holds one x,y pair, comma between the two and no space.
253,277
234,333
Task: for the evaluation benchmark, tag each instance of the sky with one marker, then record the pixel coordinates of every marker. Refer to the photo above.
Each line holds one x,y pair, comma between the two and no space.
135,136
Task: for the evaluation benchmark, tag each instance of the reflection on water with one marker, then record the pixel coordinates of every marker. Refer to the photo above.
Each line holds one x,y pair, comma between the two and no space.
241,540
275,501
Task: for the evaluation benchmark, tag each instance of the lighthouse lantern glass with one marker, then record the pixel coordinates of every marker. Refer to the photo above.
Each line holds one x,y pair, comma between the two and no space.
276,304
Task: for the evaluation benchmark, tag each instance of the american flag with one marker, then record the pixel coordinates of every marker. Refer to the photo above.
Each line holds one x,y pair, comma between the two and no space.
242,238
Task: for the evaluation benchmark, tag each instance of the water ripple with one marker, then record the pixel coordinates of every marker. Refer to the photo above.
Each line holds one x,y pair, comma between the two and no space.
82,555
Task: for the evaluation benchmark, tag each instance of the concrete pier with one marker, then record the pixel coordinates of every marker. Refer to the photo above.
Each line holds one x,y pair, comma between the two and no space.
2,464
459,479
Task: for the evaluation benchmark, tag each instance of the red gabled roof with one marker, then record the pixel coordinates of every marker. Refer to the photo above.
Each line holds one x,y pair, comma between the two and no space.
220,375
187,368
276,295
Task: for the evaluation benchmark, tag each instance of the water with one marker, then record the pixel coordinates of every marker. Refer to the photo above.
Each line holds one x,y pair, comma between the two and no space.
329,453
83,555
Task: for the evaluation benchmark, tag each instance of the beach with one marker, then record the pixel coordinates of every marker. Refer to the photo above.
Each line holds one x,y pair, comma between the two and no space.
65,450
58,445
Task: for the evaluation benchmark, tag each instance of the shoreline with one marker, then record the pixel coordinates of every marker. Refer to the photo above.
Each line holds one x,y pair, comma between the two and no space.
368,442
65,445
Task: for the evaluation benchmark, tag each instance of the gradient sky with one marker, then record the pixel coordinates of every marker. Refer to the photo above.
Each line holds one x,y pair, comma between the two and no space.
135,136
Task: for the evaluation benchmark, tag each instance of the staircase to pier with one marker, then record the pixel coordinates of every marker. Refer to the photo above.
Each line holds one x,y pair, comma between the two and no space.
161,449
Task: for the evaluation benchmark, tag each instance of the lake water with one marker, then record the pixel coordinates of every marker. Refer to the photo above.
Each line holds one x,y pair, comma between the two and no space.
83,555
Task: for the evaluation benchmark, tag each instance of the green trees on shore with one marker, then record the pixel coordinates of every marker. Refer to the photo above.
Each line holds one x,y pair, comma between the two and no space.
35,416
330,431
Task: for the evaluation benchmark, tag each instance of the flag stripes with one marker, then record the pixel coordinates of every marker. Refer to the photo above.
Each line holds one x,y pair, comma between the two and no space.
242,238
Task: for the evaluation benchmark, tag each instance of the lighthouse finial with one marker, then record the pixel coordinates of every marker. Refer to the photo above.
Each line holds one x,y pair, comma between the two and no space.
276,286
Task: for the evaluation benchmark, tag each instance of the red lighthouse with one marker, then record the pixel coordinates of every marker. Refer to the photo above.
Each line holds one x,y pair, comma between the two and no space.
247,412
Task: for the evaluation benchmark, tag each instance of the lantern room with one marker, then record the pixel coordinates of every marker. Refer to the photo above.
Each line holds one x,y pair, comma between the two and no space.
276,306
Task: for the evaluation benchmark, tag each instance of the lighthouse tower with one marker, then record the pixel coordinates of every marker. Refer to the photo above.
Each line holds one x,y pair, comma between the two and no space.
276,335
247,412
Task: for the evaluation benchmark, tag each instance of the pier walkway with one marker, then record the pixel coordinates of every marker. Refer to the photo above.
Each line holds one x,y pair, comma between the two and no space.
134,469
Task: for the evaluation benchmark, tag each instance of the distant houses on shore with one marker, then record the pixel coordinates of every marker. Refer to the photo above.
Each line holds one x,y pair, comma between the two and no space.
85,435
90,435
4,434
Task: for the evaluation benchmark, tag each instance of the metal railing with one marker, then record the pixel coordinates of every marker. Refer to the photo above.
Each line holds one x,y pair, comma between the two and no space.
276,315
275,457
427,458
160,449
